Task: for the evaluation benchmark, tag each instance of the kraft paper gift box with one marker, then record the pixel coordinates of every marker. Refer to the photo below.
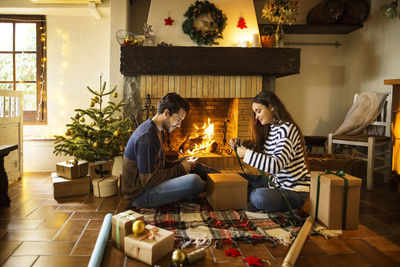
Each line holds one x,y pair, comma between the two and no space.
101,169
151,246
70,171
105,187
226,191
331,203
66,188
122,226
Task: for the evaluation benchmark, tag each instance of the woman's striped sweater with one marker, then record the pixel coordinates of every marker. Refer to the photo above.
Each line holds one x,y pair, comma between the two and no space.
283,158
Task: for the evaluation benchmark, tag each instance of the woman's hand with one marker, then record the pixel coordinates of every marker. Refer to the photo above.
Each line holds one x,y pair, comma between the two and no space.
234,142
189,163
241,150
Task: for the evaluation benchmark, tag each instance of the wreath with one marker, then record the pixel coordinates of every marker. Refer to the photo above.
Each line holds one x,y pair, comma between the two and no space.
204,23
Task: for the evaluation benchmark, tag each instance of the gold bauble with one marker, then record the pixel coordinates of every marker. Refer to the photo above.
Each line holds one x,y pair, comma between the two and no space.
83,119
68,132
96,144
115,95
92,104
178,257
77,116
74,162
130,130
117,133
96,98
122,148
107,140
138,227
119,117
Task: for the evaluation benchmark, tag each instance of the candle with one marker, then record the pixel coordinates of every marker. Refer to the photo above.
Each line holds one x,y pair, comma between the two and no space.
254,40
244,43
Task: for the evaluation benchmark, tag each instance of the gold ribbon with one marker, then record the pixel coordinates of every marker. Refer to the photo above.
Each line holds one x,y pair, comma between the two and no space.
151,234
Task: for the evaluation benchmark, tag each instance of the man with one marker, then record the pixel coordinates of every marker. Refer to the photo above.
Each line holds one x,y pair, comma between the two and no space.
146,181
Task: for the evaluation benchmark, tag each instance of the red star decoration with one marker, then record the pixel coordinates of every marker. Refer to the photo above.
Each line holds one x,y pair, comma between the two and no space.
253,261
241,23
168,21
232,252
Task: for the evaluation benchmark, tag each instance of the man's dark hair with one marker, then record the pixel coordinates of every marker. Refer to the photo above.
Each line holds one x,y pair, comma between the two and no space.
173,102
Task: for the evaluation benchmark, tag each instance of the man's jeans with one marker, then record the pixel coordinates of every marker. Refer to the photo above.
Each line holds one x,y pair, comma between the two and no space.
186,186
269,199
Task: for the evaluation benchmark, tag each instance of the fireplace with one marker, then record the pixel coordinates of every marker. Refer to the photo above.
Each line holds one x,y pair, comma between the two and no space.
219,84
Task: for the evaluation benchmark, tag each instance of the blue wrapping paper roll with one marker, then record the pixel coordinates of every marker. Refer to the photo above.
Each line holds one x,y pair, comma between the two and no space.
98,251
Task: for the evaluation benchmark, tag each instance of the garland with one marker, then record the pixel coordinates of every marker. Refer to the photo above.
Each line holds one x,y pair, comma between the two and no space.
217,24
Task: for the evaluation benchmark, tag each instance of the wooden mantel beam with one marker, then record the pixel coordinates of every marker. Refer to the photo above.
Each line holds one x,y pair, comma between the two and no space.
178,60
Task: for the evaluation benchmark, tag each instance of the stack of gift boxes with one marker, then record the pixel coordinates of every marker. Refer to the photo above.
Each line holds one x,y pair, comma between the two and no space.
137,240
71,179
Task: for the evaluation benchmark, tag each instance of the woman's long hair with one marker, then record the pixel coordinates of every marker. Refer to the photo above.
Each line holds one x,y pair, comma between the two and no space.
260,132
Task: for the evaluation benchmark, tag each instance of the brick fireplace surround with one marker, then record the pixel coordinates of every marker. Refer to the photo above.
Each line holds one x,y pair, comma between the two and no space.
219,83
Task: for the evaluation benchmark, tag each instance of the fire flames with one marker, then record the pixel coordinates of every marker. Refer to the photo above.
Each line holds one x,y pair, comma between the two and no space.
205,139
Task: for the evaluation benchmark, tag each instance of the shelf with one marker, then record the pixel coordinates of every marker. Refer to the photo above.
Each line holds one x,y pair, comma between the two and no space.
317,29
179,60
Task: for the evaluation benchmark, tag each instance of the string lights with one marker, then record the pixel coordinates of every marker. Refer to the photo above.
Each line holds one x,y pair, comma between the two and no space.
43,61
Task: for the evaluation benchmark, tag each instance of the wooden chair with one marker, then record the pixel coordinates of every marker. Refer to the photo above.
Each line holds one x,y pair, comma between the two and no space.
378,143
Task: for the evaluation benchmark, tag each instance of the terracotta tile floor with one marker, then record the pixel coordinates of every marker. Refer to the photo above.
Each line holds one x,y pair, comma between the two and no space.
38,230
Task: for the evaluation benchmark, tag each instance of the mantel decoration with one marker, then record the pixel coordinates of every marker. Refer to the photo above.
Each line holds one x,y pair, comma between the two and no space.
204,23
126,38
280,12
389,10
95,134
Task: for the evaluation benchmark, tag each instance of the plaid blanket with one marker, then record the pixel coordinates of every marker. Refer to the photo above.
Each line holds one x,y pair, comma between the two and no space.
197,220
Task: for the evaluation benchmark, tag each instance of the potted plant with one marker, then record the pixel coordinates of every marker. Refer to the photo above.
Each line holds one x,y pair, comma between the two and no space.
267,35
96,134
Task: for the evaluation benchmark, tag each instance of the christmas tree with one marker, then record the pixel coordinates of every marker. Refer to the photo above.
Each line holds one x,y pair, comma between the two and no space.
96,133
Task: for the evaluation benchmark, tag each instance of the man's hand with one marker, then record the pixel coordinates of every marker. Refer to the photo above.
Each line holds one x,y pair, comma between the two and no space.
189,163
234,142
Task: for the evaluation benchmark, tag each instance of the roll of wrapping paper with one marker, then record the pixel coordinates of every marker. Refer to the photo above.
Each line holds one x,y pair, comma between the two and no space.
98,251
196,255
297,245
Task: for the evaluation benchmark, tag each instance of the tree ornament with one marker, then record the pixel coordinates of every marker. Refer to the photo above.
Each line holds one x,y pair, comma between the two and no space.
68,132
74,162
115,95
178,257
96,99
241,23
122,148
204,23
119,117
168,21
82,119
131,130
96,144
107,141
117,133
92,103
138,227
77,116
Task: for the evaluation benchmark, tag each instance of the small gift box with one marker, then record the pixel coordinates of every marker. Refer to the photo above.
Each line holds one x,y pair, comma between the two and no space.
335,199
70,171
151,246
105,187
65,188
101,169
122,226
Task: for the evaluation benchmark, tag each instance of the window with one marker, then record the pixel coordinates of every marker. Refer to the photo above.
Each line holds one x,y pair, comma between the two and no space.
23,62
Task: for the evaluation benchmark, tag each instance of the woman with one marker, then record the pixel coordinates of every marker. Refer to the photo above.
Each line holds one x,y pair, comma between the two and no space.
277,149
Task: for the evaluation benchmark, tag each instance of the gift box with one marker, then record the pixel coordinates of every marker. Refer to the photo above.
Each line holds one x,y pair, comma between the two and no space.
70,171
122,226
335,199
150,246
226,191
65,187
101,169
105,187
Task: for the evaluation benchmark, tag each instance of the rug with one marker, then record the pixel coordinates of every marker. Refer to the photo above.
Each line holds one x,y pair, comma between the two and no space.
196,220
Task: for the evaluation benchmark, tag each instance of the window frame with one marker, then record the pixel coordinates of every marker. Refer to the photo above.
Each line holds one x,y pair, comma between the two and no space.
30,117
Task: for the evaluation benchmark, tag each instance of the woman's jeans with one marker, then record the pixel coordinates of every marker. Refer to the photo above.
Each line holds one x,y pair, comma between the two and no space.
187,186
269,199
